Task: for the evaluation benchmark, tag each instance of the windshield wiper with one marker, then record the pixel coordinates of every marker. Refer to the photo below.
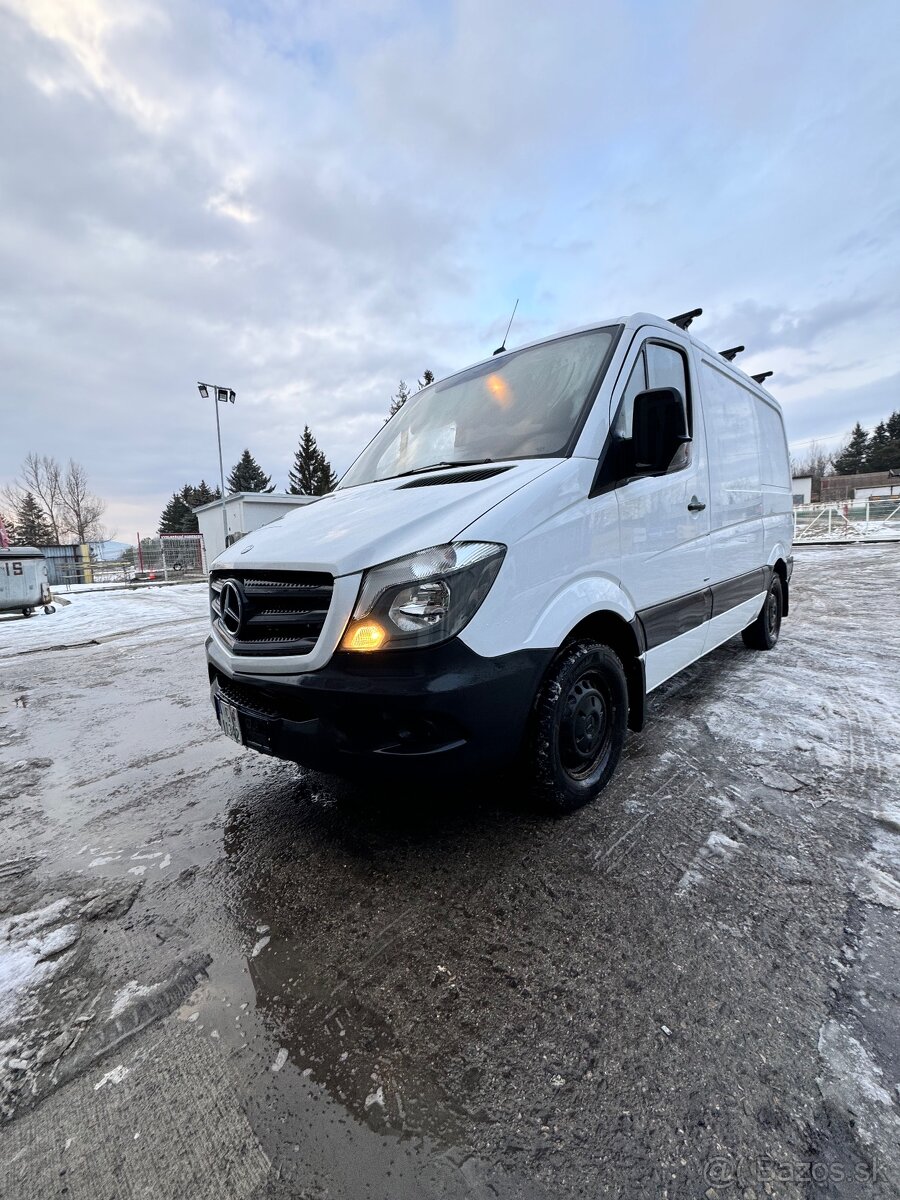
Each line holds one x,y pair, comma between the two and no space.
437,466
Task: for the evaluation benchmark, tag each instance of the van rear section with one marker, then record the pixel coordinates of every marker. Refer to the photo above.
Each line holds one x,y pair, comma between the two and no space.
519,556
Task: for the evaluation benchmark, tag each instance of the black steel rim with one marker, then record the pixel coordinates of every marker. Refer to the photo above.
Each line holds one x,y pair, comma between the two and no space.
585,726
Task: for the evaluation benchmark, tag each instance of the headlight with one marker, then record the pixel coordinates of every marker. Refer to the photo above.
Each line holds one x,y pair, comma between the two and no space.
422,599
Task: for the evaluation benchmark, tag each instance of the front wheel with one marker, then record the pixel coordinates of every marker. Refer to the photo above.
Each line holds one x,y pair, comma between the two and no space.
763,633
578,726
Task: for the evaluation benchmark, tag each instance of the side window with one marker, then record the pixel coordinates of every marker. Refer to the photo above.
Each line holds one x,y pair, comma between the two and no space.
667,367
657,366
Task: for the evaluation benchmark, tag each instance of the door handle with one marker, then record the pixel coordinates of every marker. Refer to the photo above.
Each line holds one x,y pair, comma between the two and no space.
696,505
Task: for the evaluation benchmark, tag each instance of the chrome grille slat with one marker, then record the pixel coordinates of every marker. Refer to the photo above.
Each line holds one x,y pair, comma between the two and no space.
280,615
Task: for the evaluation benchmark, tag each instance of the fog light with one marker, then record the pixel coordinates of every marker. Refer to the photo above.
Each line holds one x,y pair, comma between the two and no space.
364,635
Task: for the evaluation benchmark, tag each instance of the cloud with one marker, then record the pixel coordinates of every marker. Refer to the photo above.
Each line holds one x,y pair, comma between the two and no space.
306,203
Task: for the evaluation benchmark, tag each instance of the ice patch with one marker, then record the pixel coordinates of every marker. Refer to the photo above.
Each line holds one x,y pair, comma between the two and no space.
27,942
136,870
879,879
127,995
166,862
878,887
376,1097
280,1059
717,846
852,1082
116,1075
59,940
260,945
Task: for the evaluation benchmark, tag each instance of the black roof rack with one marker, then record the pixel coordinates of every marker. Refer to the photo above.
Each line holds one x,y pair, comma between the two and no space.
684,319
732,354
761,377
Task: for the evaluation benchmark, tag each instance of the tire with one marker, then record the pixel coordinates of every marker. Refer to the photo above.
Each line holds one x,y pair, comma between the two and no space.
27,612
763,633
578,727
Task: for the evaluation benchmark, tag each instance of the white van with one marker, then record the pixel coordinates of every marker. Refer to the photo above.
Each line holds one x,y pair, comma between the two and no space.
520,555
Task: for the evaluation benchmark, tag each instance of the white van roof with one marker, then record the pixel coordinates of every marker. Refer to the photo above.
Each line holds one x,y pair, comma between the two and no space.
640,320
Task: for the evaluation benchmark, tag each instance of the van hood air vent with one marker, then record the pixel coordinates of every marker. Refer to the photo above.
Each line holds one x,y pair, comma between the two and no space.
470,476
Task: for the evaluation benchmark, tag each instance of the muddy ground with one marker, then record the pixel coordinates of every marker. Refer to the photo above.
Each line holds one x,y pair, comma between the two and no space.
221,976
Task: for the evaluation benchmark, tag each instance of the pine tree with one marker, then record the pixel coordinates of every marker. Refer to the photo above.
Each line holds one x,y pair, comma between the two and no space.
248,476
426,380
32,526
852,459
177,515
193,498
311,474
890,454
326,476
398,400
204,494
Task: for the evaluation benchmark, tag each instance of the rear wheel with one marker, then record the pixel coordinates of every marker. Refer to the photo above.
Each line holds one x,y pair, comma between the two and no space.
27,612
578,728
763,633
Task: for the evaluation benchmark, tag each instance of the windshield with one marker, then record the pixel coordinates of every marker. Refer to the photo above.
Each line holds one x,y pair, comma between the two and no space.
527,404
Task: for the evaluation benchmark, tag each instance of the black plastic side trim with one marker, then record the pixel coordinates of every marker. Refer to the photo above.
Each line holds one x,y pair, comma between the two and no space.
732,592
669,620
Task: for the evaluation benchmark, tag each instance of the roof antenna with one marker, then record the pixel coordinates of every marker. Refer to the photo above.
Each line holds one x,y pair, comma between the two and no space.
684,319
732,354
761,377
502,348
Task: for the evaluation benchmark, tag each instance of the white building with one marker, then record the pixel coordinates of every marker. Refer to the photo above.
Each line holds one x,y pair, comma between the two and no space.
244,512
801,486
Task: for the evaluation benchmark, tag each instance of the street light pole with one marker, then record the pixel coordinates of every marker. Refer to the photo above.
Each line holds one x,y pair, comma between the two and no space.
221,395
221,479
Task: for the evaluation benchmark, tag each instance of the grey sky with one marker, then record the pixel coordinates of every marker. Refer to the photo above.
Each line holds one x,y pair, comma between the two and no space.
306,202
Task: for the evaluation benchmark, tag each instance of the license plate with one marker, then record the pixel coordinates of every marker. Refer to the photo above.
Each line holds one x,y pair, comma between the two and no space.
230,720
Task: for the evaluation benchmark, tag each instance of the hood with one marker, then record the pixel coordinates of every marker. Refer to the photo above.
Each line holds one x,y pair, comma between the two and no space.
359,527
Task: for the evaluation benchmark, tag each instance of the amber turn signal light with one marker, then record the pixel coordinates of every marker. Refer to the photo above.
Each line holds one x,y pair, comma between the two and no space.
364,635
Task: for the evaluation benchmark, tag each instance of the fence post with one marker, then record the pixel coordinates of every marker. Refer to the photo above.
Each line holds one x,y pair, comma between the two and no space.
829,520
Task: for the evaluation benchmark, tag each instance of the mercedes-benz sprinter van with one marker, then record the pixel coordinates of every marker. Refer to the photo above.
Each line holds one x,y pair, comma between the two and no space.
522,553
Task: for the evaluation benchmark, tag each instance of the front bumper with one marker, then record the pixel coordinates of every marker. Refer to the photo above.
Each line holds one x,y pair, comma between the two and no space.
402,711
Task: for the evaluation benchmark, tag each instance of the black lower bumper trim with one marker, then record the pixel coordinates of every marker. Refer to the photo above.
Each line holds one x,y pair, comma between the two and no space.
412,711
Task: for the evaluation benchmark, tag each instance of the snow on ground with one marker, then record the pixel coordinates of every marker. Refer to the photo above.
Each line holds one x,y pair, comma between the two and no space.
28,944
94,615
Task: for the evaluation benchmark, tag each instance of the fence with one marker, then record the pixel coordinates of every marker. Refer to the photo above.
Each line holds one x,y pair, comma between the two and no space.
875,519
165,559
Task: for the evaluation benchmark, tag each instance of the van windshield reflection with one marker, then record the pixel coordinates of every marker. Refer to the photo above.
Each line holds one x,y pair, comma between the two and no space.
528,404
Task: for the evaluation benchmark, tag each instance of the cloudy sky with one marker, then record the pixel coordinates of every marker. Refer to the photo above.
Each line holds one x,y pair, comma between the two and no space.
308,200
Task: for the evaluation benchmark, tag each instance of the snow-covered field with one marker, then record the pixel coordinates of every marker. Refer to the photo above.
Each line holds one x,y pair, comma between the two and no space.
94,615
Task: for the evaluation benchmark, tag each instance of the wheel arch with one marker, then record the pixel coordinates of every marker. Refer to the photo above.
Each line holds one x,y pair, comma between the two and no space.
626,638
780,569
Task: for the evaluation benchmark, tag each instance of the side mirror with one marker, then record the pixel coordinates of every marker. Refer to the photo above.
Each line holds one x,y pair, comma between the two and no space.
658,429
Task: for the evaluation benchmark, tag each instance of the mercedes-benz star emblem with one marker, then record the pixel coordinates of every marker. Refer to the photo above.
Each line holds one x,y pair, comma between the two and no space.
231,602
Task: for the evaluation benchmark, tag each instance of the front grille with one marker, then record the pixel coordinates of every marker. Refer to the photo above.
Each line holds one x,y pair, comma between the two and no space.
281,612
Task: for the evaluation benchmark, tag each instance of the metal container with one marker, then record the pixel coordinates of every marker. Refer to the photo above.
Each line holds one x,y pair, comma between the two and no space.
24,580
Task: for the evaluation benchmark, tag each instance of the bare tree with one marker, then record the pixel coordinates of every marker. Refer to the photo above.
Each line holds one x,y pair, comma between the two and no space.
81,508
816,462
41,475
63,495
